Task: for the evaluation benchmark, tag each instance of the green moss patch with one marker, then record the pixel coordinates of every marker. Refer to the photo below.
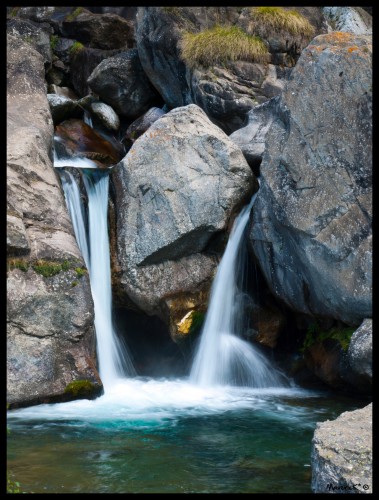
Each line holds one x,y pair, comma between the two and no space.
49,268
75,48
220,45
81,388
74,14
197,322
316,335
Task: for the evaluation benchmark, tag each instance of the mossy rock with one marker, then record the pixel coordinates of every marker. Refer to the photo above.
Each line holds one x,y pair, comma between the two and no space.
82,389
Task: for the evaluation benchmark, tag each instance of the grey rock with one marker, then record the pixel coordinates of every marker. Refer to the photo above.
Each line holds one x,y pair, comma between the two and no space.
177,187
351,19
36,35
252,137
49,322
311,229
106,115
139,126
62,108
121,82
358,363
342,453
227,94
99,31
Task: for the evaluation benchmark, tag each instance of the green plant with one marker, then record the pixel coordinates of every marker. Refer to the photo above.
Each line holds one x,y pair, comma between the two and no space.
14,11
49,268
74,14
315,334
75,48
53,41
74,283
221,44
197,321
277,19
79,388
80,271
19,264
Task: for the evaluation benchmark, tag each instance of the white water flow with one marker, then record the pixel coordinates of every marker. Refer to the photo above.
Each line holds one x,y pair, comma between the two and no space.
223,357
114,359
76,211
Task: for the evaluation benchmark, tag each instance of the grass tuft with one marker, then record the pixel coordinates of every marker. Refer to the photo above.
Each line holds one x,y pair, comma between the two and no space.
277,19
220,45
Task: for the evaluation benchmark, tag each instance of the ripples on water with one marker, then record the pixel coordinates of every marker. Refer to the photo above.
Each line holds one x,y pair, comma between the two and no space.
165,436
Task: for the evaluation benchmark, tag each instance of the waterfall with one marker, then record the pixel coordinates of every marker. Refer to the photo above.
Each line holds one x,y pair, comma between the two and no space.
76,212
114,359
223,357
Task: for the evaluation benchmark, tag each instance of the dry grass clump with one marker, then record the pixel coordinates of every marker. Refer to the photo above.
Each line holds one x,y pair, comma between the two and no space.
278,19
221,44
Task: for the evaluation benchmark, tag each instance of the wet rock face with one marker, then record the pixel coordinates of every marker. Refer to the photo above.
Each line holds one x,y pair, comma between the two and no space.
50,338
176,189
79,139
311,228
342,453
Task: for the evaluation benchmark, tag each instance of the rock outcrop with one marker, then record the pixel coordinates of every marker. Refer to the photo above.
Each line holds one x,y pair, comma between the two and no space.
50,310
226,92
176,190
342,454
312,226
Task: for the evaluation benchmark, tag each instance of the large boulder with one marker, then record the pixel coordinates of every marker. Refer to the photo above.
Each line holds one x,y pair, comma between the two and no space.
342,453
50,310
120,81
176,190
311,227
99,31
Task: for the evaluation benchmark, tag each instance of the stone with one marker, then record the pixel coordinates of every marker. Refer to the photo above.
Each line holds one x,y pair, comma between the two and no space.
121,82
351,19
342,453
50,335
176,189
312,220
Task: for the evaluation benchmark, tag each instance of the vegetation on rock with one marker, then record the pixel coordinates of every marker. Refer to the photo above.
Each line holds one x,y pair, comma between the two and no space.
75,48
49,268
315,334
53,41
278,19
220,45
80,388
74,14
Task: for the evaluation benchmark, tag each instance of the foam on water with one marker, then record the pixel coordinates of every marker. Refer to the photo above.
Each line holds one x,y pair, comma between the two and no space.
146,401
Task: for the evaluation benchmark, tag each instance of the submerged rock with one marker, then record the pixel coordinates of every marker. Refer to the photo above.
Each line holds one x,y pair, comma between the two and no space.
79,139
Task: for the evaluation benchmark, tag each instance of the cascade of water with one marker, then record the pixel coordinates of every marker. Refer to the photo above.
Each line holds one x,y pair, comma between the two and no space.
114,360
76,211
113,356
223,357
87,119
